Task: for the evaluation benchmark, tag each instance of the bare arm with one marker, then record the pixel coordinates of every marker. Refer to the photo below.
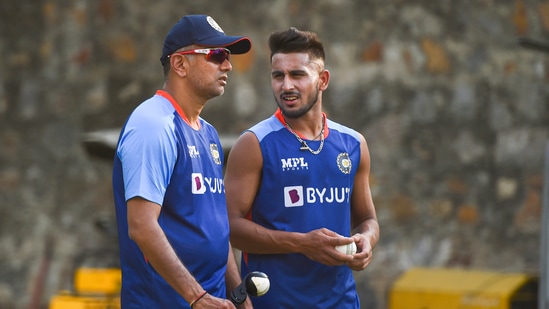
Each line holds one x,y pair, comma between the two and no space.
233,279
363,213
242,181
232,276
144,229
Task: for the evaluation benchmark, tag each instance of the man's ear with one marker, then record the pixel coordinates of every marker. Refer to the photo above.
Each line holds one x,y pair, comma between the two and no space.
324,80
180,65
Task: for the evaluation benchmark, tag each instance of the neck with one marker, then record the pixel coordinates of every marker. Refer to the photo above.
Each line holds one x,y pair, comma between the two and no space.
303,144
310,128
189,105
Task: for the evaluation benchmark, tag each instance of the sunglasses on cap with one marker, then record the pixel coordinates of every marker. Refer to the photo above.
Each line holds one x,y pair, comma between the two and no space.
215,55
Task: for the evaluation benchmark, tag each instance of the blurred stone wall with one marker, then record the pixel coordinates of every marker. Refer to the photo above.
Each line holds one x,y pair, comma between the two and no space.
454,111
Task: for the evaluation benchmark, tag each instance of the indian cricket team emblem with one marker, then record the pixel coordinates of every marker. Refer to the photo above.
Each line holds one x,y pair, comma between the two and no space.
344,163
214,25
215,154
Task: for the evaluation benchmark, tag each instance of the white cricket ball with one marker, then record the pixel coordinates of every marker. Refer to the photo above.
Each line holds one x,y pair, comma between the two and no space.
262,284
349,249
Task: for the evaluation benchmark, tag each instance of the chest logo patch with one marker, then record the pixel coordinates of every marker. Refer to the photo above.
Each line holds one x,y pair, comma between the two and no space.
293,196
215,153
344,163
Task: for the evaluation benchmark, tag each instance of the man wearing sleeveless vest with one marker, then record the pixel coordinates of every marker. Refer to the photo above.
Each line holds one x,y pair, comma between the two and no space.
297,187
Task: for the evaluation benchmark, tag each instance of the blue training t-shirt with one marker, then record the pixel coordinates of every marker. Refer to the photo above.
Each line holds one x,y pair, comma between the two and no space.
301,192
161,158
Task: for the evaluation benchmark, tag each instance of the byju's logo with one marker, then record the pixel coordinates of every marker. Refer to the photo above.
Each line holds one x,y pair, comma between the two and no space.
294,164
296,196
198,183
293,196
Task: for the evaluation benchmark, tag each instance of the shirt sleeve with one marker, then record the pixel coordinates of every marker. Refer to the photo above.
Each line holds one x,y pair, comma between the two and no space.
148,153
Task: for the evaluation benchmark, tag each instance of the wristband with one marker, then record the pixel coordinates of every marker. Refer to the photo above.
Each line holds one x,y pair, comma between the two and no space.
198,298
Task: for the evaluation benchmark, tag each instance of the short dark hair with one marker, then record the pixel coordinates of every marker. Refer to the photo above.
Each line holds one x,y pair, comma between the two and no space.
166,67
297,41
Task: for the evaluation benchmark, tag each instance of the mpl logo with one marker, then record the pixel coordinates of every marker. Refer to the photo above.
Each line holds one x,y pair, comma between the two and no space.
293,196
294,164
193,152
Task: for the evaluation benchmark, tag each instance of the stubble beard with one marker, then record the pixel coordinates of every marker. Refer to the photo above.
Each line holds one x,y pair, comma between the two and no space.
294,114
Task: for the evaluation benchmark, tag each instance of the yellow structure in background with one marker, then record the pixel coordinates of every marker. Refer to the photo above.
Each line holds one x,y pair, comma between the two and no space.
105,281
69,301
94,288
425,288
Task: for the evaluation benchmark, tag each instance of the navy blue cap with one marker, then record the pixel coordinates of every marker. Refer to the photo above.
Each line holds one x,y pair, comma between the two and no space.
204,31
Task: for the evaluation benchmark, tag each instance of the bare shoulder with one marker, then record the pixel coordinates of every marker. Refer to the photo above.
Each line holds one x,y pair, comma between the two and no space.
247,138
364,153
247,142
245,151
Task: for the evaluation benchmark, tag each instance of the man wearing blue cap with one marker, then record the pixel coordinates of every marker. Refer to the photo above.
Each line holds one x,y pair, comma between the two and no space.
168,182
